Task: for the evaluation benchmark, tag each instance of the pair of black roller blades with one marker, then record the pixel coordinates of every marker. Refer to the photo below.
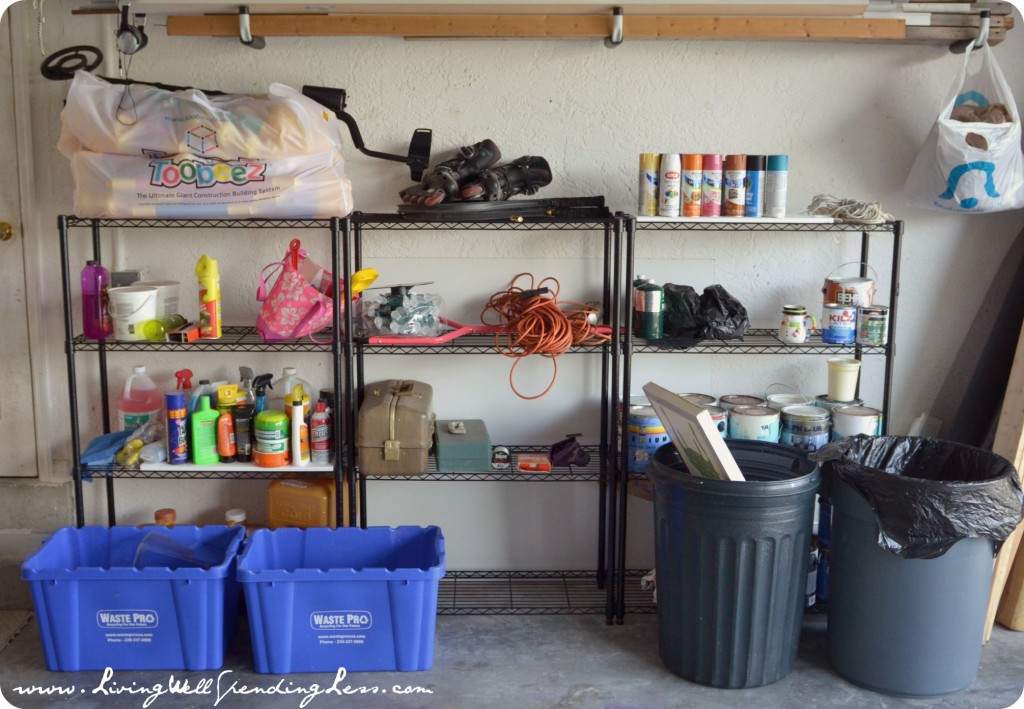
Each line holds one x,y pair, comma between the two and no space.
475,176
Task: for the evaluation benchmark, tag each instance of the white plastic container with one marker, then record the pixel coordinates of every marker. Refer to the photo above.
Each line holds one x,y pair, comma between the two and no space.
130,306
166,296
284,386
140,401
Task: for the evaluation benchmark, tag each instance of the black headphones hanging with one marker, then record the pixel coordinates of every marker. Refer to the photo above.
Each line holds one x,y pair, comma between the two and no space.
131,38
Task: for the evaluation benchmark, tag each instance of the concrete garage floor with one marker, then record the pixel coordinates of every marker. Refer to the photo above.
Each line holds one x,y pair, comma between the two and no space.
513,661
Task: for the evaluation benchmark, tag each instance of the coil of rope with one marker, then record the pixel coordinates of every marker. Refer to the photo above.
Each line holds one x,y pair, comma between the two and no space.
534,322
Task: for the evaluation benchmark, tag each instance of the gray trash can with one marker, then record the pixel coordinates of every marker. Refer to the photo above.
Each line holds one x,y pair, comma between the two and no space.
732,563
915,524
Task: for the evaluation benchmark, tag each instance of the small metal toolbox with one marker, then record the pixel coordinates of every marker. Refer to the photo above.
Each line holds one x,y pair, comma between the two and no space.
395,428
462,446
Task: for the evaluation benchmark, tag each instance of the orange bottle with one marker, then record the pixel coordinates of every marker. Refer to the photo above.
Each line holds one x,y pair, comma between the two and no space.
226,448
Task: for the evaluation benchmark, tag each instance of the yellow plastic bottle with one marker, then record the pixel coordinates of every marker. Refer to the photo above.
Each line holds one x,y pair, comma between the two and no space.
209,297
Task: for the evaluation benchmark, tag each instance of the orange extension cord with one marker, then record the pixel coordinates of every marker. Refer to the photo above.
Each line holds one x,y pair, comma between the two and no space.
536,323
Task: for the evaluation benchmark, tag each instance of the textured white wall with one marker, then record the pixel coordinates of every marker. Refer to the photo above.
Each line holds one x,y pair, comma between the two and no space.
850,116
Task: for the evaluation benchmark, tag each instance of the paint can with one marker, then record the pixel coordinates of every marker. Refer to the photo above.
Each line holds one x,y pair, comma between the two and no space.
824,402
873,325
166,296
646,434
711,186
791,397
731,401
693,175
721,418
776,180
854,420
754,423
700,399
754,185
130,306
734,200
805,427
648,202
853,290
838,324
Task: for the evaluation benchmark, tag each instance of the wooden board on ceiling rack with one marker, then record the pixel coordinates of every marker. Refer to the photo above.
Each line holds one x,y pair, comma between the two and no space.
564,26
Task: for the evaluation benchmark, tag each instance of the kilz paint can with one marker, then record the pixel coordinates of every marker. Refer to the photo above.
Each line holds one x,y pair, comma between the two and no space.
838,324
721,418
873,325
646,434
805,427
854,420
754,423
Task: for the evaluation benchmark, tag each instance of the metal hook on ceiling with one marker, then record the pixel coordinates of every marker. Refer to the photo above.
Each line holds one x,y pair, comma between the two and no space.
616,37
244,31
985,20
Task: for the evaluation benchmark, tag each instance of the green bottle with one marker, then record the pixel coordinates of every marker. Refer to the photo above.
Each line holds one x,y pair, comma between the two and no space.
204,433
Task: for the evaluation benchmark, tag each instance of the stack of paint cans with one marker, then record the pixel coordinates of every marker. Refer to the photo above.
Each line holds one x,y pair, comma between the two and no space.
849,314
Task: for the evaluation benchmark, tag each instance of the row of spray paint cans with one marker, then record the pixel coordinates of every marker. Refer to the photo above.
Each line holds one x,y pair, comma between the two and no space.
222,422
712,185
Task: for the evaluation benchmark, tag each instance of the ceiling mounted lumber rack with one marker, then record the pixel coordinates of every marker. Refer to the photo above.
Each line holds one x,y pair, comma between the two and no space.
886,21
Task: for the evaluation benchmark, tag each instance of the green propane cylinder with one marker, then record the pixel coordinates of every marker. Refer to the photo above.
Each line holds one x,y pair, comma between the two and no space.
648,310
270,429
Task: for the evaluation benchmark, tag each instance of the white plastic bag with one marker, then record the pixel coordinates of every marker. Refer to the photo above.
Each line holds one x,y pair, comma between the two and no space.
145,152
983,175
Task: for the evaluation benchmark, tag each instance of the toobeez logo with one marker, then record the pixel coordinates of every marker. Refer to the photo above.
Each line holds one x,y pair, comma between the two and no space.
167,173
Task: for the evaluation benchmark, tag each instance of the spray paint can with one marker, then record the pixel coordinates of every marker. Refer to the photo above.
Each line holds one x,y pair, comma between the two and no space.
669,178
691,185
650,163
711,186
734,199
776,179
755,186
209,297
320,434
177,427
648,311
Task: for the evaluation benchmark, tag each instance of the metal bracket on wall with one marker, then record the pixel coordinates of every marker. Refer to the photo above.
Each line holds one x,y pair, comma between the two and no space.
616,37
985,19
244,31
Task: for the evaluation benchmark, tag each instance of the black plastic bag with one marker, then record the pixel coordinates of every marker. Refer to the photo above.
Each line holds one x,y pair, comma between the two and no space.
714,315
927,493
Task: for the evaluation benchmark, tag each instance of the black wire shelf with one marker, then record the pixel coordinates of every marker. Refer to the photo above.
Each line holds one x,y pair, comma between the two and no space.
235,338
757,341
398,222
466,344
755,224
574,473
217,471
201,223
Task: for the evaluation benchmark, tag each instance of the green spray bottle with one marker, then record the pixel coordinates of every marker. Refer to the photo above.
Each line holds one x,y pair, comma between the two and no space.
203,423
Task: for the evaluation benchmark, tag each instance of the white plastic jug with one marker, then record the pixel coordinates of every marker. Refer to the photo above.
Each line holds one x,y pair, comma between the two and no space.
140,401
283,387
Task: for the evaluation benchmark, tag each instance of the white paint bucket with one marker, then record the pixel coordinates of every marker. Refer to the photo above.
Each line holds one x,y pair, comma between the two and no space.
854,420
788,398
166,296
130,306
754,423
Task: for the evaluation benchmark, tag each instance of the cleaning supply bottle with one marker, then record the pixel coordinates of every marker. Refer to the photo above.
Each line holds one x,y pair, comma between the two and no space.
300,396
209,297
226,437
242,416
184,382
246,395
177,428
156,330
270,430
300,435
259,386
96,322
226,396
320,435
285,385
140,401
204,433
202,390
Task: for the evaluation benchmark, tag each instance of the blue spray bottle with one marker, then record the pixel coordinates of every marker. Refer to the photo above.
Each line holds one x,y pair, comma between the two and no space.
259,385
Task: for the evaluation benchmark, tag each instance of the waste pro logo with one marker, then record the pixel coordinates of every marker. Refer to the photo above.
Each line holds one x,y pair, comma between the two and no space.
340,620
168,173
127,619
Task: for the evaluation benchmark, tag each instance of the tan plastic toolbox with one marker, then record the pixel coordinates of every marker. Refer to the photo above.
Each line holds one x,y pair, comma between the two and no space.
395,428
